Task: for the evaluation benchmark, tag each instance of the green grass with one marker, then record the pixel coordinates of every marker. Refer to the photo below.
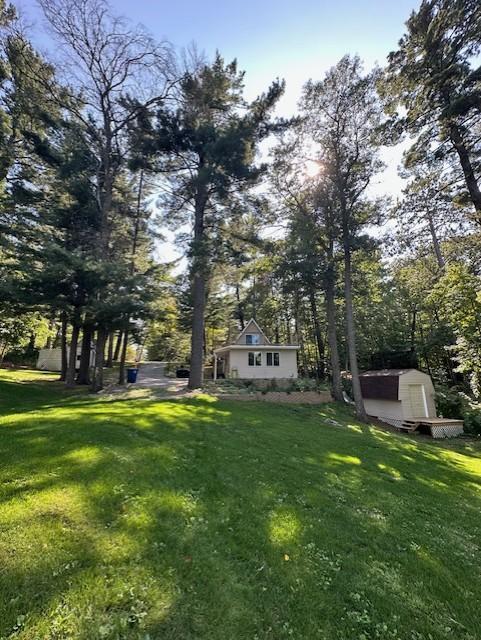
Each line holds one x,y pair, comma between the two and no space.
201,519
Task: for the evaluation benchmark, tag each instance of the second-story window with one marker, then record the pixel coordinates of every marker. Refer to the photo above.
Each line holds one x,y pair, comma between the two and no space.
252,338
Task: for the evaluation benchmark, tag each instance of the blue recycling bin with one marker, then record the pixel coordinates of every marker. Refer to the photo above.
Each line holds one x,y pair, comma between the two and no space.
132,375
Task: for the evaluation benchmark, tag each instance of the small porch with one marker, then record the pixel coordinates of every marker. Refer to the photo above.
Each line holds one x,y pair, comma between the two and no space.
437,427
221,368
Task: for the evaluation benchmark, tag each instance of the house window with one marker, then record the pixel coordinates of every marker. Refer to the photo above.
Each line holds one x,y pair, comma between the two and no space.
255,359
252,338
272,359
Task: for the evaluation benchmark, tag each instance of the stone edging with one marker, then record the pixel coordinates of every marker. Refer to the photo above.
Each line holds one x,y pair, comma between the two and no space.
295,397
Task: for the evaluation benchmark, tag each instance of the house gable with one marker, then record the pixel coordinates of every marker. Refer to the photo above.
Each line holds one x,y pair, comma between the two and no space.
254,330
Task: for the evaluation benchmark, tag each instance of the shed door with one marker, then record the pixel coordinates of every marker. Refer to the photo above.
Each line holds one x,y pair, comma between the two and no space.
418,401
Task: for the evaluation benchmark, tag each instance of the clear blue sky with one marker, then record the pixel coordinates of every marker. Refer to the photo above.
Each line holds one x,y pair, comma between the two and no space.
292,39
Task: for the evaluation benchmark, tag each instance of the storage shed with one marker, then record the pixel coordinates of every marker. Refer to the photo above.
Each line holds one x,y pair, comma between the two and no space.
404,398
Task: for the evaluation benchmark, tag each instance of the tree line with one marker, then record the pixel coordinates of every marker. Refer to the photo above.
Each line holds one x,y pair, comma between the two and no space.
279,217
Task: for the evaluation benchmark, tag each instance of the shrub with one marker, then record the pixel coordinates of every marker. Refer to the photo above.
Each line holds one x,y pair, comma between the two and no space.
472,419
449,402
454,403
306,384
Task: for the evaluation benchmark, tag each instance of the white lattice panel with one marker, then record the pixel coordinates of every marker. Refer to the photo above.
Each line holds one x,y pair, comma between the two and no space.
446,430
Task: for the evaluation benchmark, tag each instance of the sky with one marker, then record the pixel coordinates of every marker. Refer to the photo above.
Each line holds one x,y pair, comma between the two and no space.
291,39
295,40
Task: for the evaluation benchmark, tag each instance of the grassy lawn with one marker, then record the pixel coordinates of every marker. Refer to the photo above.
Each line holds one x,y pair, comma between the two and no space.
197,519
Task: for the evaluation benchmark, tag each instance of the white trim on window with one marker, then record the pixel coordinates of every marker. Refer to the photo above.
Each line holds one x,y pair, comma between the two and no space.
273,357
255,357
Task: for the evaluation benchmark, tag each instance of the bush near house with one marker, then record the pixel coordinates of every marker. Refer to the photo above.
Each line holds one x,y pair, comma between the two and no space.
236,385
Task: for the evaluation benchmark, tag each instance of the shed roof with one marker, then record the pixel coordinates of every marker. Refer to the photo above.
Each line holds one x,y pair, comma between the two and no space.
382,384
382,373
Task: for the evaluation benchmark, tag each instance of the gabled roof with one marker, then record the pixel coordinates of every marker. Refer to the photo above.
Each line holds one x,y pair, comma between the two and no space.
247,330
257,347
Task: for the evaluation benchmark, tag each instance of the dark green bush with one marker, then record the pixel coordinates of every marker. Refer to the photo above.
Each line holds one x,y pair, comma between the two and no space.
449,402
472,420
452,402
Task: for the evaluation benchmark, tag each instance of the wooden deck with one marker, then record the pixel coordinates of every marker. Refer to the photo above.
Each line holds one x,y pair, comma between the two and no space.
438,427
439,421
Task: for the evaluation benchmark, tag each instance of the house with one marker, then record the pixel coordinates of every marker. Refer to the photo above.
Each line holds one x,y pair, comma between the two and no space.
51,359
253,356
404,398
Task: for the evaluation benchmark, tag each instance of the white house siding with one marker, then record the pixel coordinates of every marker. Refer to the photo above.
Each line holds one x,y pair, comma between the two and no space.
384,408
239,359
416,377
49,359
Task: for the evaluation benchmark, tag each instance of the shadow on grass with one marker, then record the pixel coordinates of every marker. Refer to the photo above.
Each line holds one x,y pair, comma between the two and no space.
194,519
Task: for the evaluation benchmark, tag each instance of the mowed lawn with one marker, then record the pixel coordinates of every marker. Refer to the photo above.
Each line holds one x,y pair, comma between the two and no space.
216,520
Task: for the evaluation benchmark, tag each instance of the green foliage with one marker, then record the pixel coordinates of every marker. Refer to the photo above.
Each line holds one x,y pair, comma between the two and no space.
449,402
434,77
15,330
458,294
452,402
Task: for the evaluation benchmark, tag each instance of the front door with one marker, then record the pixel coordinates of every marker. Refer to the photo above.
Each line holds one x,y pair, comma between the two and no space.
417,399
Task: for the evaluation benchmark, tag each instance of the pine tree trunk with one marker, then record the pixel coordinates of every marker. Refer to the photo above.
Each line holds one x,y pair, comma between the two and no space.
83,376
51,327
435,239
72,359
58,336
288,329
199,277
63,347
110,351
425,351
240,311
336,384
467,167
123,356
118,344
318,334
413,333
197,342
98,369
300,337
351,329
